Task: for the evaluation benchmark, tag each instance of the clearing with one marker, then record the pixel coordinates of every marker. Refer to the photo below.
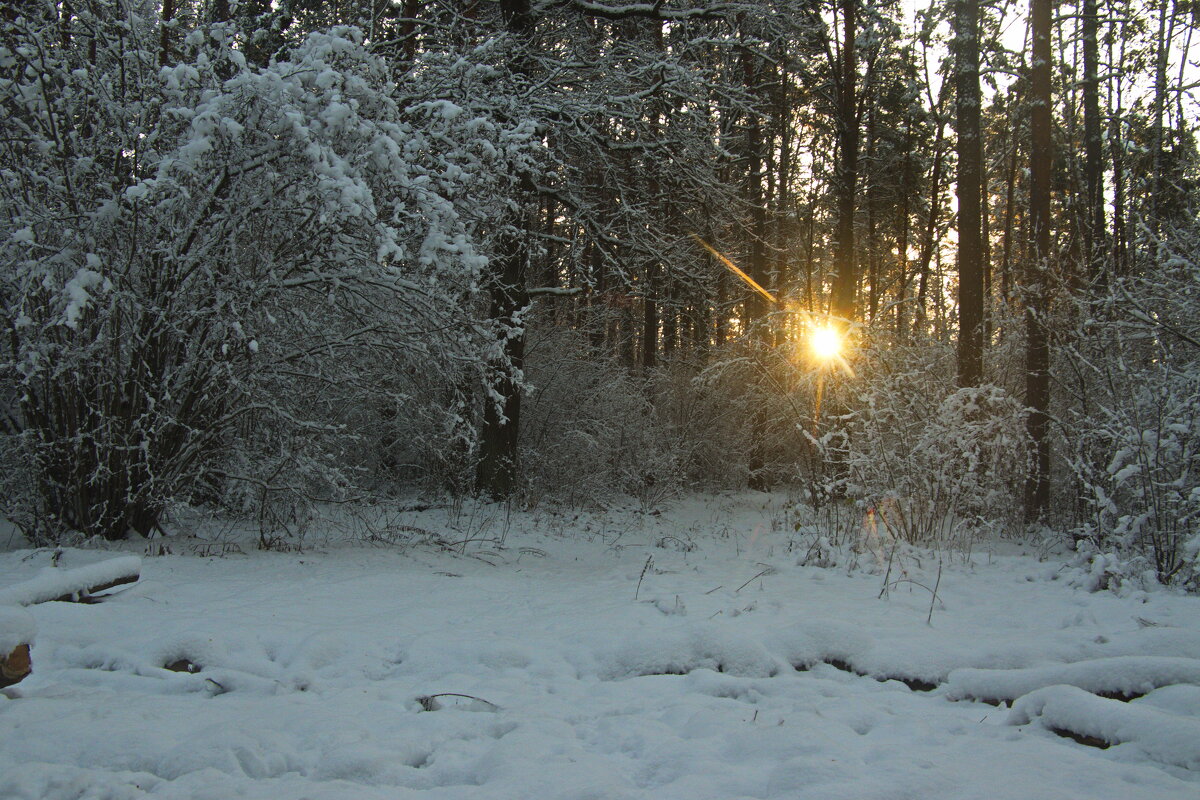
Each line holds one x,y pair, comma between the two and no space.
689,654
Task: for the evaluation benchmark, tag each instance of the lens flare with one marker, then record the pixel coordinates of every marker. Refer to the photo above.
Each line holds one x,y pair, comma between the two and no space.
826,343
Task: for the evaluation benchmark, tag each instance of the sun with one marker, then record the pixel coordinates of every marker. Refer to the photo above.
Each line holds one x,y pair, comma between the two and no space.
826,343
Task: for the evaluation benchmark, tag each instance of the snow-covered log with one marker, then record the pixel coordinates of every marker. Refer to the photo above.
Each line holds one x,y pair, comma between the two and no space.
1120,677
78,585
1068,710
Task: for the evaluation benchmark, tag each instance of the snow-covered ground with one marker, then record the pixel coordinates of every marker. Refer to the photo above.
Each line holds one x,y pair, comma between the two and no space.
599,656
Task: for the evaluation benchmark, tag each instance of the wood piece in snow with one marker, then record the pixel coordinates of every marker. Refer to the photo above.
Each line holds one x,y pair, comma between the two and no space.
15,666
79,585
183,665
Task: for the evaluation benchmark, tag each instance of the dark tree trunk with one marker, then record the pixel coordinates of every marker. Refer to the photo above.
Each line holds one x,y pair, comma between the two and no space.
1120,231
164,33
650,318
1010,216
1158,129
970,222
903,223
498,463
670,325
930,239
1120,248
1037,289
756,308
846,279
873,192
1093,147
497,473
408,30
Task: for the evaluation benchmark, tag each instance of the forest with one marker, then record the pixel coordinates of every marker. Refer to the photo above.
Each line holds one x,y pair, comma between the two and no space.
599,399
266,259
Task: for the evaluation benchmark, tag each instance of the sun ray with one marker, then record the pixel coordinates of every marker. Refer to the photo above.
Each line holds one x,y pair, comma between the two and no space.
734,269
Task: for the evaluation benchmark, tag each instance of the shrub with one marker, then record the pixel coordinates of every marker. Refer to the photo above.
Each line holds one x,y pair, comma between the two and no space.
217,268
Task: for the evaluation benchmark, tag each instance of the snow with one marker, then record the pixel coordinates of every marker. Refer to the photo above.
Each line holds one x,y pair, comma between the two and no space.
78,292
547,678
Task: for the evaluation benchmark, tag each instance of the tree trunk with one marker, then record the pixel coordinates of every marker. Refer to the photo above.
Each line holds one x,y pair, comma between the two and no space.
164,33
408,31
1093,147
872,228
497,471
927,245
1116,144
1010,216
1037,289
970,162
845,280
1163,46
650,318
902,233
498,442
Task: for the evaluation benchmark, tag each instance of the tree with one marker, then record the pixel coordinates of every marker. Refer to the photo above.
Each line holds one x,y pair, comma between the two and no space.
509,300
1037,275
845,282
970,218
1093,147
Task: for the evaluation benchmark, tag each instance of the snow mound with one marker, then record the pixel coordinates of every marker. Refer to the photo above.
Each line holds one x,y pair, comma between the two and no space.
685,649
1181,699
16,628
1159,736
808,643
1119,677
266,754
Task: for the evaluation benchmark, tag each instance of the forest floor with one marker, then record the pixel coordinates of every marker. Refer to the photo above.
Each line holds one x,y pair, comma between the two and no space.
554,654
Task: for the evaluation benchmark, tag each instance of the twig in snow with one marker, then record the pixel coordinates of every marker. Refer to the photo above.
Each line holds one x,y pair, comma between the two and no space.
766,571
429,702
891,554
645,568
936,584
899,581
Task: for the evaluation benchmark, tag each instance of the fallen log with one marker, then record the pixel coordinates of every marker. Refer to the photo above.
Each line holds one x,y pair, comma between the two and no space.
1069,711
78,585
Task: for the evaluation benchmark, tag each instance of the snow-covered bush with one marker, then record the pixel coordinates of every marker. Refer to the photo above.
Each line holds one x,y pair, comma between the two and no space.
750,413
946,463
1136,438
213,268
591,430
1146,498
